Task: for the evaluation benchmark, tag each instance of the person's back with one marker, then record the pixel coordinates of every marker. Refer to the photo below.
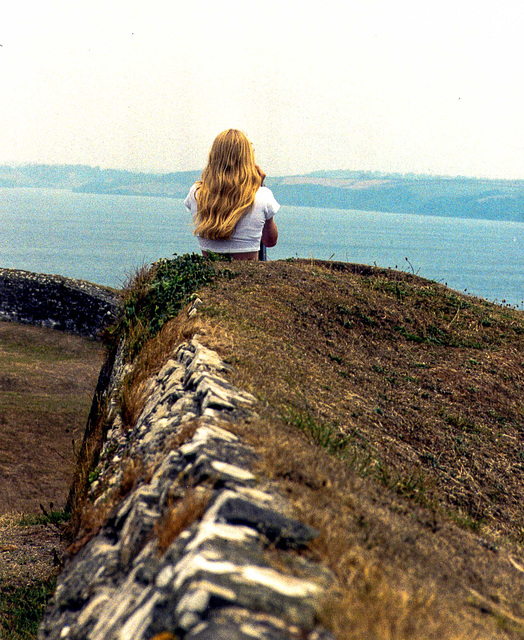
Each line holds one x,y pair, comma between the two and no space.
232,210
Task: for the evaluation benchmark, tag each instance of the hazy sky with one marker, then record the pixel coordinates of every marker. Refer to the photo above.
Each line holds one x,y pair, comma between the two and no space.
391,85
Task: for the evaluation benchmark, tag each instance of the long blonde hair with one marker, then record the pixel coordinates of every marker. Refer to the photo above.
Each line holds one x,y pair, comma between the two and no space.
228,186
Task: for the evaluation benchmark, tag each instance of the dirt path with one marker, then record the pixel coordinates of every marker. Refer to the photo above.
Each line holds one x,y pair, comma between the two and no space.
28,553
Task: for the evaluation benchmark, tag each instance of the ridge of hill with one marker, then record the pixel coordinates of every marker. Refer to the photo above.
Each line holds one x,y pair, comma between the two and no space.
391,415
392,419
362,190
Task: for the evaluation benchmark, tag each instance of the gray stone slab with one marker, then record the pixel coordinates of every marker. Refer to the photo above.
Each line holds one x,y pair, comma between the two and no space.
276,527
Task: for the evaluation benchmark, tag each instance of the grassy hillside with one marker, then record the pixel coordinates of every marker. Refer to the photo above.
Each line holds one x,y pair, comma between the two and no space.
415,380
393,417
47,380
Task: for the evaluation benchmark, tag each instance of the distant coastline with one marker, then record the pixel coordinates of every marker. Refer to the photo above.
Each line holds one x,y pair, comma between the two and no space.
368,191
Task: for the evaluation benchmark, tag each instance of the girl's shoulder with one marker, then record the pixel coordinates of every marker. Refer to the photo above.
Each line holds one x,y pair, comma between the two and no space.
266,200
264,193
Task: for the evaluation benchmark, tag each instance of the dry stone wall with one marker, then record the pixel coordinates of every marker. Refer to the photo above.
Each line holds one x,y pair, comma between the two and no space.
196,548
56,302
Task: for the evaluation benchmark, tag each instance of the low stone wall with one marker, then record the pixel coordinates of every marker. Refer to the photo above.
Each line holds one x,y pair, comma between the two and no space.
194,544
56,302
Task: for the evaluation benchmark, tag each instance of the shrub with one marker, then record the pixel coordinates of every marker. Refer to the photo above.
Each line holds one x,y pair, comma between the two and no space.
156,295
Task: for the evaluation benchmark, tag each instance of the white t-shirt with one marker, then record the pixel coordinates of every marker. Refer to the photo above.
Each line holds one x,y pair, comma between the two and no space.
248,232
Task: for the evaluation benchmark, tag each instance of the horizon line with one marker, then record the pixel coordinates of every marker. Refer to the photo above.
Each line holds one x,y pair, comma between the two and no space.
379,172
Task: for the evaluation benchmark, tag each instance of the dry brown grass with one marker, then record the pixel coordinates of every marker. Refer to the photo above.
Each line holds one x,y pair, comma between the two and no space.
47,380
186,432
180,515
89,518
414,392
335,352
86,462
394,562
391,412
375,609
133,390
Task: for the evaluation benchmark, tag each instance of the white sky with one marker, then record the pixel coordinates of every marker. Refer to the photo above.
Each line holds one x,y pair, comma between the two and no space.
391,85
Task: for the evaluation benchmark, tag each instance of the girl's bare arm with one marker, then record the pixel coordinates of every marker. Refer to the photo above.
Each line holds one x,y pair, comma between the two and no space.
270,233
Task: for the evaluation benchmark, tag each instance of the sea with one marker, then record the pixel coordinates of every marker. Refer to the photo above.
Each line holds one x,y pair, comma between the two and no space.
105,238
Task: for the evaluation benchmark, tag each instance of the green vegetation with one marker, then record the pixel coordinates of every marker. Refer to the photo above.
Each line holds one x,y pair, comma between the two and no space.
156,295
22,607
426,195
367,191
48,518
360,456
322,434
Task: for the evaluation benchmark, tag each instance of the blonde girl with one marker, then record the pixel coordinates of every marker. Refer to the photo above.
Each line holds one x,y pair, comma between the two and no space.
231,209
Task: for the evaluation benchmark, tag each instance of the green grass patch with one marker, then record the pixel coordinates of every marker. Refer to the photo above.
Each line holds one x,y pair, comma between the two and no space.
462,423
413,485
322,434
466,521
22,608
24,344
47,353
397,289
362,460
52,517
431,335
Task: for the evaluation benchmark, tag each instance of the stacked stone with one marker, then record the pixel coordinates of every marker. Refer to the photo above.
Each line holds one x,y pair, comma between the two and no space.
196,549
56,302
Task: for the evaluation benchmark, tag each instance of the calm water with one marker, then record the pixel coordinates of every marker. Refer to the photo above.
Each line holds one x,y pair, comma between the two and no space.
103,238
